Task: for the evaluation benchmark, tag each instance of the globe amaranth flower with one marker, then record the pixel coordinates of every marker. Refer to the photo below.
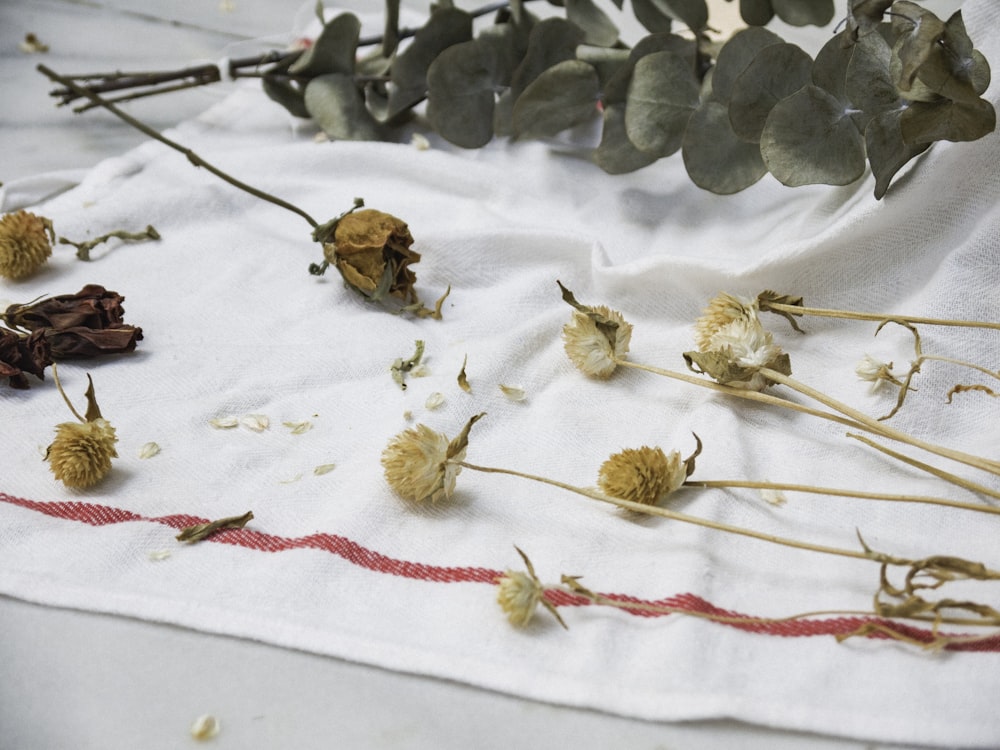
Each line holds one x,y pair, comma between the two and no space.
519,595
723,309
642,475
25,244
80,456
594,340
876,372
419,462
736,351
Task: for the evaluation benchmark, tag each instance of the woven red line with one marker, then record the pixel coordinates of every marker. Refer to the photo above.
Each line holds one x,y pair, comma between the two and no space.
101,515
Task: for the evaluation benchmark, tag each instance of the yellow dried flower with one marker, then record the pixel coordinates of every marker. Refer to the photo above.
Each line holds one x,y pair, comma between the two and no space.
590,348
519,594
642,475
25,244
723,309
81,454
418,462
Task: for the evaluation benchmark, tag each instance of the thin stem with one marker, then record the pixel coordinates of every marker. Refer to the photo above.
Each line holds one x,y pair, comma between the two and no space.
853,315
940,473
887,497
654,510
55,376
962,363
191,155
875,426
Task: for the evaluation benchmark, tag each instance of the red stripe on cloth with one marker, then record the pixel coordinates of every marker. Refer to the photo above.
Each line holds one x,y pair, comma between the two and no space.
356,554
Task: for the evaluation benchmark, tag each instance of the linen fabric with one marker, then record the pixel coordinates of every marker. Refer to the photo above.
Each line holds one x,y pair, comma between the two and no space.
334,563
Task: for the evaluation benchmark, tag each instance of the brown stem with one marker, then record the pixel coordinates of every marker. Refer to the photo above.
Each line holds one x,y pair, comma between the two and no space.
853,315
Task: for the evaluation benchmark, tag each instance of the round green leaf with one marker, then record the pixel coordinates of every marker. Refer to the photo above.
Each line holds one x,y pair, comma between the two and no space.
661,96
333,51
775,72
946,120
756,12
460,94
655,20
715,158
286,94
444,28
804,12
692,13
598,29
551,41
563,96
338,107
735,55
887,151
809,138
870,86
617,154
829,70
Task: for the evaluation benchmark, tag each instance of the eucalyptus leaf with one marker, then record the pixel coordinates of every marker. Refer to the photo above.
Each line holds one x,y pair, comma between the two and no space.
661,97
598,29
918,31
507,48
953,68
286,94
735,55
757,12
692,13
649,14
616,154
864,16
409,71
777,71
809,138
607,61
563,96
716,159
947,120
616,89
829,70
804,12
887,151
333,51
460,95
338,107
870,84
551,41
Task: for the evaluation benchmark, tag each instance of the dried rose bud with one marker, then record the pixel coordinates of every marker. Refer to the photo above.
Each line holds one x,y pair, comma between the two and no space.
21,354
371,249
88,342
92,307
25,244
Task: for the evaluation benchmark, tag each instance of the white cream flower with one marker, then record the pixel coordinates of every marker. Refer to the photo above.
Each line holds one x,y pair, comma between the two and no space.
723,309
590,348
876,372
748,345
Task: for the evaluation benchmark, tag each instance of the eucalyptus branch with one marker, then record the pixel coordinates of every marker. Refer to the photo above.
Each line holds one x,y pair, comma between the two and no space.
191,155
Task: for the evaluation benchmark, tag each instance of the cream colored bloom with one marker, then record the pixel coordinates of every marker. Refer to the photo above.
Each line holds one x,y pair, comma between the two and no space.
25,244
80,455
590,348
723,309
642,475
419,462
518,595
876,372
748,345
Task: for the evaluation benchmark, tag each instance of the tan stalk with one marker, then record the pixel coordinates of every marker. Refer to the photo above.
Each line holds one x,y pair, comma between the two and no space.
877,317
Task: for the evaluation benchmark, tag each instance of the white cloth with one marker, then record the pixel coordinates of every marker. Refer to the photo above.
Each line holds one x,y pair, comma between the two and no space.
336,564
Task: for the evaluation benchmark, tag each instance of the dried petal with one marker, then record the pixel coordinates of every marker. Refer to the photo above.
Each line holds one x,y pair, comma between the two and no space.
324,469
255,422
224,423
88,342
21,354
434,400
92,307
513,392
299,427
205,727
149,450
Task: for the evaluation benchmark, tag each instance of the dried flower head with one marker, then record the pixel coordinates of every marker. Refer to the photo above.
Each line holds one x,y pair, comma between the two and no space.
736,352
92,307
722,310
371,249
21,354
591,346
25,244
419,462
519,594
876,372
80,456
642,475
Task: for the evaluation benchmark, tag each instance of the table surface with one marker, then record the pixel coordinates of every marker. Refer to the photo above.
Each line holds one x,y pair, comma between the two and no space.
79,679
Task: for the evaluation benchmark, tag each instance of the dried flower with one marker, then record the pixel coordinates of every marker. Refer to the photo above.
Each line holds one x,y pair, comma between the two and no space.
92,307
723,309
595,337
21,354
80,456
25,244
420,463
736,352
642,475
371,249
519,594
876,372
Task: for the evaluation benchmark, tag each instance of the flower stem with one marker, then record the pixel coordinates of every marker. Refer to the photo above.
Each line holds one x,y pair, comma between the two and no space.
844,493
191,155
654,510
854,315
962,363
877,427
